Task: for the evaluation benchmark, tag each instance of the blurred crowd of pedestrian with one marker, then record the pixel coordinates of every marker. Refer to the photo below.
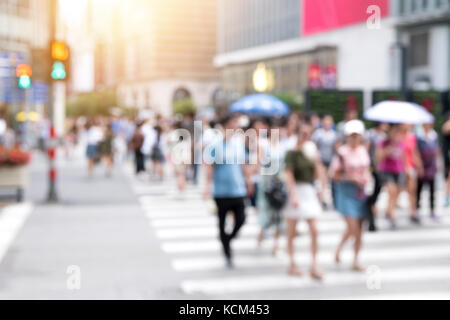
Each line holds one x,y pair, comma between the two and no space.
319,166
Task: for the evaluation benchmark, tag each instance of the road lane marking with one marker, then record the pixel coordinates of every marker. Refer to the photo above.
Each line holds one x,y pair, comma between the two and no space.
381,238
324,227
368,257
188,232
12,219
269,282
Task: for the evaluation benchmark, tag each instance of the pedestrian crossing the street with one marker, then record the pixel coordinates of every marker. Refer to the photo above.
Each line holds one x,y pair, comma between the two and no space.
400,263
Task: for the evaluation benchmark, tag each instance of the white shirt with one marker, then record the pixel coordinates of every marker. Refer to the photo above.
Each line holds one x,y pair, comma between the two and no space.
94,135
209,136
150,136
288,144
310,150
2,127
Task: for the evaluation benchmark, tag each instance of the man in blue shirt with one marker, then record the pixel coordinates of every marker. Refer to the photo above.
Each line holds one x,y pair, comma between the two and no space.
228,176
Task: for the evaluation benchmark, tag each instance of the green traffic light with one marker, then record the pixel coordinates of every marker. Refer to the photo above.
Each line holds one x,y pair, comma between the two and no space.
24,82
58,71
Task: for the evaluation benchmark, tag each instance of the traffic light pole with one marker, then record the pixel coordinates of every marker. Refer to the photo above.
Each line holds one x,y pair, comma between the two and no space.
52,196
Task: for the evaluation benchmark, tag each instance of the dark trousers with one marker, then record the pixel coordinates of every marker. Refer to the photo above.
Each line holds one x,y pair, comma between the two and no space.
139,160
372,199
196,169
237,207
420,185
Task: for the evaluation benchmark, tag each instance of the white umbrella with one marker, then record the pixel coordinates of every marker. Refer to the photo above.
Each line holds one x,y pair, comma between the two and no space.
399,112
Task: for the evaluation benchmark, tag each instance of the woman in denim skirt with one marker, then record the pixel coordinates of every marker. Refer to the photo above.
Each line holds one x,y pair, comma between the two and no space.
351,173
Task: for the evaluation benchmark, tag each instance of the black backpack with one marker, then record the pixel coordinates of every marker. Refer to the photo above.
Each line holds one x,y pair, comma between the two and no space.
276,194
156,152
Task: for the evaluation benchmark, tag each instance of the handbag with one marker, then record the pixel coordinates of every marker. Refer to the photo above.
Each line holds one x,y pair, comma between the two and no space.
276,194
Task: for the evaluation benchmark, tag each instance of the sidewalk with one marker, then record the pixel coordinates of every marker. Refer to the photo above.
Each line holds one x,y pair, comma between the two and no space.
98,227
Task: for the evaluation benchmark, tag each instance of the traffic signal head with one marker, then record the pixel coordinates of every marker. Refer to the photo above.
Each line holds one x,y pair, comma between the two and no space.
58,71
23,70
24,82
60,57
60,51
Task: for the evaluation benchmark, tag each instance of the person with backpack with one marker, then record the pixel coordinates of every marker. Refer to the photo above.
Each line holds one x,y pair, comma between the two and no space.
136,142
428,145
272,193
302,168
157,154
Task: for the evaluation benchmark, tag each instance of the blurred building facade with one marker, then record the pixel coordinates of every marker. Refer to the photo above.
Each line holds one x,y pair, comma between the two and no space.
424,28
23,24
23,29
108,35
159,52
331,44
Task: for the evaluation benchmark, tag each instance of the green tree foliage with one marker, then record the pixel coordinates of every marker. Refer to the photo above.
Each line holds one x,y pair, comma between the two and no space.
92,103
379,96
184,107
431,101
293,100
335,103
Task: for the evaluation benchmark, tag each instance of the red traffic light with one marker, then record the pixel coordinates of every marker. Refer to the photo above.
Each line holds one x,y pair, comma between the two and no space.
23,70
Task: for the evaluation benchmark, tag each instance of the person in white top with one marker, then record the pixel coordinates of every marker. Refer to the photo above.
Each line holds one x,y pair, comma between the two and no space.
289,140
257,146
301,170
158,153
2,129
94,136
271,171
150,135
180,155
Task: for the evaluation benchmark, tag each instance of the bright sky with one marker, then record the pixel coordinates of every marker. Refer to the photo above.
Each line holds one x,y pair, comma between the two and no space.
73,14
73,10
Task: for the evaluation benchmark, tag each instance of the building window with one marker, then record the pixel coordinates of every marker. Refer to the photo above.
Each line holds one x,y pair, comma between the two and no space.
418,55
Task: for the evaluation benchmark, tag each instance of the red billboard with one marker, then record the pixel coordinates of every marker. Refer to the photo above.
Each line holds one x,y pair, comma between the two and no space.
324,15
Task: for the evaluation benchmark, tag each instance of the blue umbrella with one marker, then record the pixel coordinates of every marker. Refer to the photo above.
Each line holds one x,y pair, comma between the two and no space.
260,104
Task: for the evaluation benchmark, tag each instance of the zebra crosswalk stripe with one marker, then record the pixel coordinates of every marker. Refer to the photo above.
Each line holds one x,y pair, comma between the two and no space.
187,231
325,258
230,285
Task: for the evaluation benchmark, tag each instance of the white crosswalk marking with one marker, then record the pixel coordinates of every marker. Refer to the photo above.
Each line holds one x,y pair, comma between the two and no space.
278,282
324,240
371,257
12,219
187,230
